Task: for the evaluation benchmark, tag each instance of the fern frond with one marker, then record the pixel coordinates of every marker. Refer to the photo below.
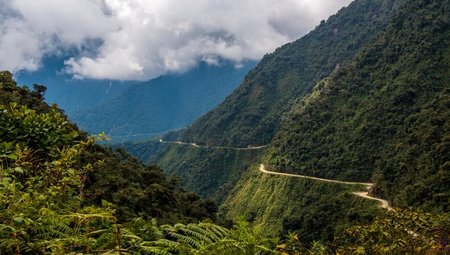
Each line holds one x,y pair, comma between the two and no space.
203,235
184,239
169,244
218,230
57,230
160,247
154,250
129,234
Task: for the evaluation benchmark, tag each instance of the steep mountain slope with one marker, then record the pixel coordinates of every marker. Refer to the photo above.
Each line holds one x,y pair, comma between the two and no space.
315,210
386,116
35,134
169,102
211,172
251,115
266,93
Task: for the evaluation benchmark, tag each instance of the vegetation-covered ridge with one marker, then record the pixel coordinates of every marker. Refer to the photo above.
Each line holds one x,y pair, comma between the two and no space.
252,113
115,176
385,116
250,116
46,168
368,186
328,211
56,182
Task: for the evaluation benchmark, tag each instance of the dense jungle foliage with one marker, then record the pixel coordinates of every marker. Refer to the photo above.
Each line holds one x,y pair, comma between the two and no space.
114,176
252,113
386,116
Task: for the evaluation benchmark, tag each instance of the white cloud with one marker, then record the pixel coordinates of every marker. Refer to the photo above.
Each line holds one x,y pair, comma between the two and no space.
142,39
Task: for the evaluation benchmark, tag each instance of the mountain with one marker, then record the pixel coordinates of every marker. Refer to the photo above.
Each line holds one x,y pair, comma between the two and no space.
168,102
252,113
376,113
366,145
384,117
132,110
61,193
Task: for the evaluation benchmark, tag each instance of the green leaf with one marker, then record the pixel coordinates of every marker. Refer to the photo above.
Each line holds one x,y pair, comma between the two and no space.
12,156
18,219
18,170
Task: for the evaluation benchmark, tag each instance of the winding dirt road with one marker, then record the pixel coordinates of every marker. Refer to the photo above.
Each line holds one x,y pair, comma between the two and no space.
262,168
384,203
216,147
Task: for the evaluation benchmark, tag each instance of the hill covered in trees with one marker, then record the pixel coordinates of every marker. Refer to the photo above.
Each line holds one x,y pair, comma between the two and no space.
62,194
252,113
53,175
384,117
379,116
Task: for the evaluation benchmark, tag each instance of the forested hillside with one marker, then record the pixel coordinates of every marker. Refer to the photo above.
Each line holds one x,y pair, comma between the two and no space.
62,194
252,113
251,118
378,113
113,176
380,117
49,168
384,117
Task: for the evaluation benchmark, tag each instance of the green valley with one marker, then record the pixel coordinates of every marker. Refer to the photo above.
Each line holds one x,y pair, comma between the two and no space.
336,143
378,113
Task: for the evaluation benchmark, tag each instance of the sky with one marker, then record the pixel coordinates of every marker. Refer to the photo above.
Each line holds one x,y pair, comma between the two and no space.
144,39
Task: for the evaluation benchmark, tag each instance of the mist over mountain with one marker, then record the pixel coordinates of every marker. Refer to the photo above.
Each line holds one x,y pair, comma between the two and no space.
142,40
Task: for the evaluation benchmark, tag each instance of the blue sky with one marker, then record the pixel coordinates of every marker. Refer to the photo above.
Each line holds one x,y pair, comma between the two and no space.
143,39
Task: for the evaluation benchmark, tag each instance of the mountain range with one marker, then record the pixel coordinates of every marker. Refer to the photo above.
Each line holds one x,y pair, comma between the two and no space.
363,97
131,110
336,143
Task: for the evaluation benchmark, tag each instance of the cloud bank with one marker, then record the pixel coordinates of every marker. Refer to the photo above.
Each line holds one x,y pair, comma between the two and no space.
143,39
